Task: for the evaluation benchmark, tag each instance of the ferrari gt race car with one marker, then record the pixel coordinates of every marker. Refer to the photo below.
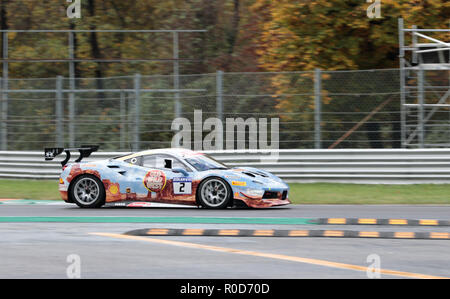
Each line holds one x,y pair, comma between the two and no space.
170,176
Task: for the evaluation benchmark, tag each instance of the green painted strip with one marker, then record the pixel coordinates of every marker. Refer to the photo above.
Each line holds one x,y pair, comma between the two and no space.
29,202
114,219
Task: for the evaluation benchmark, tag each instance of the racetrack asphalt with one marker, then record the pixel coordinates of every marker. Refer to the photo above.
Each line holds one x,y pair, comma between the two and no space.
41,249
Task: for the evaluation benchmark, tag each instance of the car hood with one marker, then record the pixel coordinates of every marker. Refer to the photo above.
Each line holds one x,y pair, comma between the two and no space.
254,175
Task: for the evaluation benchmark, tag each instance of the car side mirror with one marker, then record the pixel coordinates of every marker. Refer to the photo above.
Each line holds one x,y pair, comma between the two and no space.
180,170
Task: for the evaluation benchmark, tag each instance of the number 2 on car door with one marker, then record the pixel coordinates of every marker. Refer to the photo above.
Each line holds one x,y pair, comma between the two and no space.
182,186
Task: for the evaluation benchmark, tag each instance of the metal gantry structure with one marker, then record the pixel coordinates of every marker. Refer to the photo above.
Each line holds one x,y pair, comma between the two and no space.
60,90
425,86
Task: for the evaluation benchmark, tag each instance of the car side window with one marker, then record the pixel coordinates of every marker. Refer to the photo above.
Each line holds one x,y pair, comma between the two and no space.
177,164
149,161
161,162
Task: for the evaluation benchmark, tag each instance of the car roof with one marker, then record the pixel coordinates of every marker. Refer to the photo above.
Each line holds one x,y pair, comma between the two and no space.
178,152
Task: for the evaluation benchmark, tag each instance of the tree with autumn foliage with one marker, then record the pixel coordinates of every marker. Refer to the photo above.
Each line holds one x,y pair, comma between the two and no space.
339,35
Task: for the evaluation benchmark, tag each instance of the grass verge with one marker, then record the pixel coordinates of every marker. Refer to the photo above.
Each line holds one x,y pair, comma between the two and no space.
331,193
29,189
313,193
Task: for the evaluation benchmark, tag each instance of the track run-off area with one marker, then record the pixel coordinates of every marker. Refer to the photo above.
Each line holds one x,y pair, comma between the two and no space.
297,241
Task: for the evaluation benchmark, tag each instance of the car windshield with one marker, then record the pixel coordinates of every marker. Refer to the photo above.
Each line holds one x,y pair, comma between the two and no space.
205,162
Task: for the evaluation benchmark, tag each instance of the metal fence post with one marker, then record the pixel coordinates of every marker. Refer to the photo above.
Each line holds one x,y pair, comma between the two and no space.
123,117
219,95
176,74
414,43
130,113
401,41
317,108
71,109
420,114
3,139
59,129
4,129
72,105
137,103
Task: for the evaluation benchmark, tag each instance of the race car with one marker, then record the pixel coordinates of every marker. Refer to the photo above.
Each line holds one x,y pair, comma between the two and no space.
170,176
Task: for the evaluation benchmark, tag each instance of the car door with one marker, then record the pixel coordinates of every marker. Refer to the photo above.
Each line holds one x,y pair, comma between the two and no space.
165,184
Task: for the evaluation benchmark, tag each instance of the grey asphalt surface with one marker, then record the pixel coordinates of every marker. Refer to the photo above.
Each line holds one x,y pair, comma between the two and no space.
40,250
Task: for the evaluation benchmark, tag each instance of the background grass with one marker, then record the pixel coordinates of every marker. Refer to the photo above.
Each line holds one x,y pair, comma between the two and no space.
329,193
313,193
29,189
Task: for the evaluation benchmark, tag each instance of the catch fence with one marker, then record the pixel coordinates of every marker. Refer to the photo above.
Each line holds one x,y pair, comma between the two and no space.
315,110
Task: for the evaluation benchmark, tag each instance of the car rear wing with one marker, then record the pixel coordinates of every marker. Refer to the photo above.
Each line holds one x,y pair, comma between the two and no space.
85,151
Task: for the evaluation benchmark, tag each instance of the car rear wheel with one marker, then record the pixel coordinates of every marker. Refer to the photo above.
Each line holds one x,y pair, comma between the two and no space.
87,191
214,193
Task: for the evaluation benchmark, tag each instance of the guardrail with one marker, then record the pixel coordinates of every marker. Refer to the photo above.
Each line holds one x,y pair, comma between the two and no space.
395,166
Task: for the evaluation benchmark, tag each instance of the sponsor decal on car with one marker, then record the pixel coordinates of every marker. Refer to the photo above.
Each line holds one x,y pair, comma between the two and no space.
155,180
238,183
113,189
182,185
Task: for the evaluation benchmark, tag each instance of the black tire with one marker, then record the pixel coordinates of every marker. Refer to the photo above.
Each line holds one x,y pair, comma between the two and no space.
89,198
217,200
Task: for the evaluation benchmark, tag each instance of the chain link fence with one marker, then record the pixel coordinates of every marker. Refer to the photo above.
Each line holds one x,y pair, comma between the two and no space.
317,109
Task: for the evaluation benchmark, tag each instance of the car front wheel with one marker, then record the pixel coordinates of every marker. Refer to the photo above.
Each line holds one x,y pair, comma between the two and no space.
214,193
